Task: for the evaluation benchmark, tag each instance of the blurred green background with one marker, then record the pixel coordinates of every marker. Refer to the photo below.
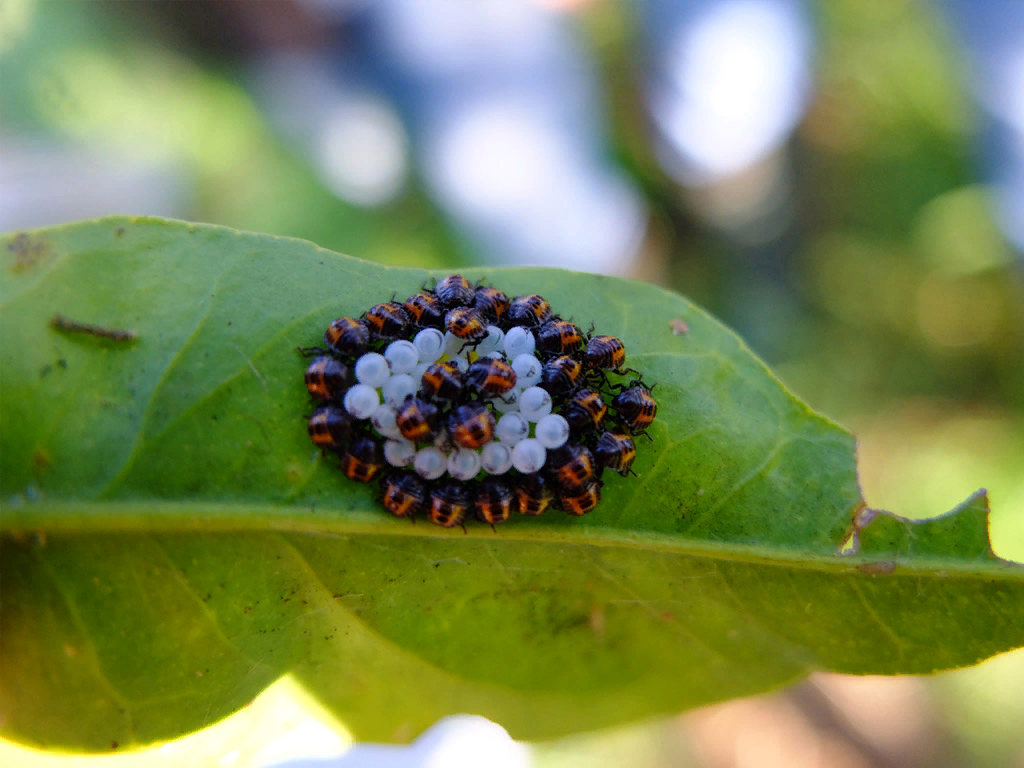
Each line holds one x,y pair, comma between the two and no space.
895,306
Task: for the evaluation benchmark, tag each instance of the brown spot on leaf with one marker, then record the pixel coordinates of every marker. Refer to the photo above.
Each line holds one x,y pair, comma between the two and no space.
119,232
41,459
597,619
28,251
678,326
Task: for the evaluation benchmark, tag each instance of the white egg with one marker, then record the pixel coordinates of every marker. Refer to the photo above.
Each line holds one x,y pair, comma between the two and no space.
429,345
512,428
552,431
383,420
464,464
361,401
430,463
453,345
399,453
496,458
519,341
529,455
397,388
528,370
508,402
494,342
372,370
402,356
534,404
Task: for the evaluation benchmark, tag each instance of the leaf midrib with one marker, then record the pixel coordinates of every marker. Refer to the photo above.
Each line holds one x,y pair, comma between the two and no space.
158,516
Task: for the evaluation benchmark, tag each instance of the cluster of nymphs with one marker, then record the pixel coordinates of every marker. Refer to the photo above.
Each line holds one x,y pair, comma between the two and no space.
475,404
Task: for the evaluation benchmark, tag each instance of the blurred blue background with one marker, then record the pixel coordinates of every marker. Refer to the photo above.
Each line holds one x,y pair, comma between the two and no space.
841,181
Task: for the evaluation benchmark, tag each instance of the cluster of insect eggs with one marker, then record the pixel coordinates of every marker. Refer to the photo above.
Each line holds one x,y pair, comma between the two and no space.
465,394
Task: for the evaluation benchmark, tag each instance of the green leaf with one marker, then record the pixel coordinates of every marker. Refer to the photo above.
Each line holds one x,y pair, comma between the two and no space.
173,543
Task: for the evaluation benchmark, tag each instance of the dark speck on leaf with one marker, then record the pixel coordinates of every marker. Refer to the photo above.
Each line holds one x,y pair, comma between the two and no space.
119,232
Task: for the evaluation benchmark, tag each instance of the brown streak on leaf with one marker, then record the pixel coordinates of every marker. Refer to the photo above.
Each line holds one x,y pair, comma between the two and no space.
881,568
62,323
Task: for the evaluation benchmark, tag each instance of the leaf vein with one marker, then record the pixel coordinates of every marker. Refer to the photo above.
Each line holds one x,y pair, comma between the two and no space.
752,475
85,632
140,438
